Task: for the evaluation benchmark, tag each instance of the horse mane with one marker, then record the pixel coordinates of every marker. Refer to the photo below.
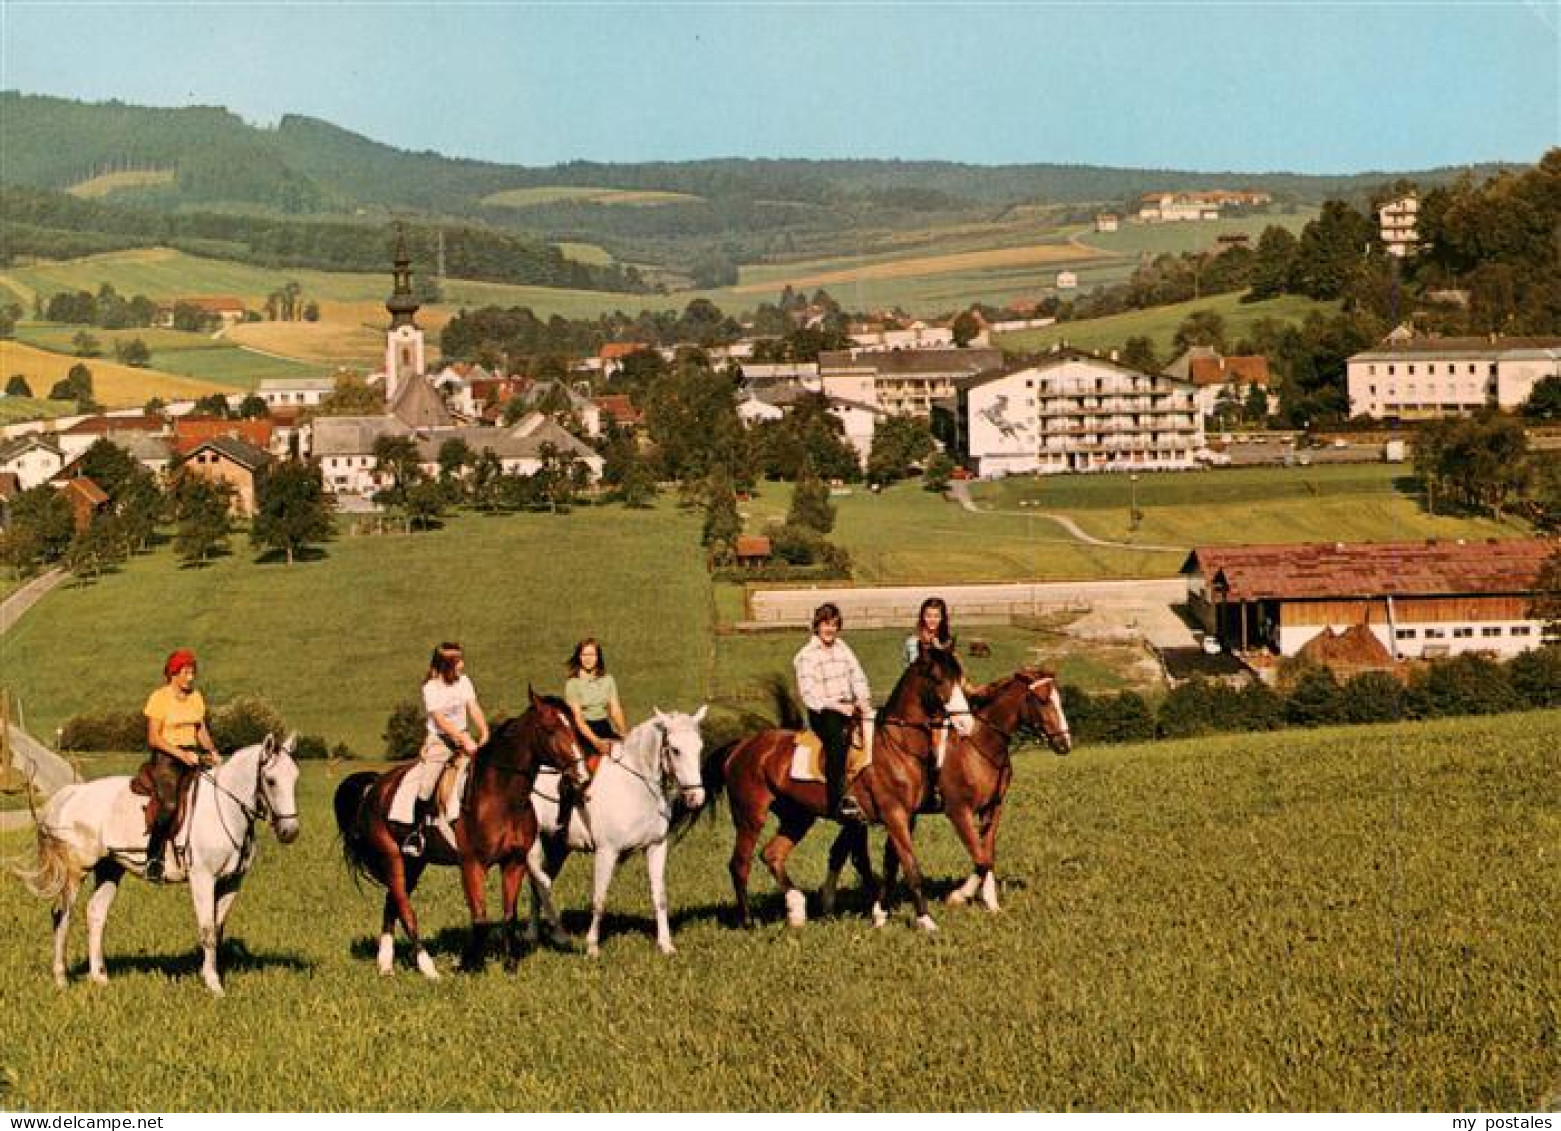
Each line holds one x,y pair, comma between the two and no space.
788,715
930,658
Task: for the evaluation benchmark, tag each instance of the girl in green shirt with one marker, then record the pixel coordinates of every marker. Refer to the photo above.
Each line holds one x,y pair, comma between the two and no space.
592,695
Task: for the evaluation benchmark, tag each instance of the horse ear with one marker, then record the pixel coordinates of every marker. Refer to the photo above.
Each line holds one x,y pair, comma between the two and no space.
268,747
660,718
291,743
699,715
531,694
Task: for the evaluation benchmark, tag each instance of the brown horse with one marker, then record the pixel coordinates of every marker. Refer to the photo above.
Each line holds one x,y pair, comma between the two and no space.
755,773
497,827
974,780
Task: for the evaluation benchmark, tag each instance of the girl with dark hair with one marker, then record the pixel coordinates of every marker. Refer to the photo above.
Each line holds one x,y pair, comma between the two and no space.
932,629
592,695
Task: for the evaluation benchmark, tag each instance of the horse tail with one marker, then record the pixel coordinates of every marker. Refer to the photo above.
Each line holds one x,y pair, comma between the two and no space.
352,814
712,775
52,871
788,715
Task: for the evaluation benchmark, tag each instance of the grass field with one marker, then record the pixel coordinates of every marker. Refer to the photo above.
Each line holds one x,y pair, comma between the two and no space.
768,280
1348,502
588,253
114,385
1337,920
580,194
14,410
1160,323
1134,239
198,356
109,183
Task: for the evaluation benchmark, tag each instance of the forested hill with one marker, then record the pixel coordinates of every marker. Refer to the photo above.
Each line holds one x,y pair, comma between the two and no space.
207,155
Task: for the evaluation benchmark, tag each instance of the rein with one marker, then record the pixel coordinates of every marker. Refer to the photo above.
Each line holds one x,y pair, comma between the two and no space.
260,810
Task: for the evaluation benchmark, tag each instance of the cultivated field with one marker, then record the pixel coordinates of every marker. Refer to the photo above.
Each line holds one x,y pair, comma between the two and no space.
1160,323
579,194
1358,919
1348,502
201,356
108,184
769,280
114,385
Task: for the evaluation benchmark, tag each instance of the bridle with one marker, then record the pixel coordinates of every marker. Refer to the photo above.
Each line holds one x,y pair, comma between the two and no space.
263,809
1052,737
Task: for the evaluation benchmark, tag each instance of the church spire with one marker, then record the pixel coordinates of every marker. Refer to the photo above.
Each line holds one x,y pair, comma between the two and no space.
401,304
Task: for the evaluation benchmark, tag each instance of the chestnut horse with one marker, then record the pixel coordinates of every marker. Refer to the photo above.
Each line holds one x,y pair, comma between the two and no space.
497,827
974,781
755,773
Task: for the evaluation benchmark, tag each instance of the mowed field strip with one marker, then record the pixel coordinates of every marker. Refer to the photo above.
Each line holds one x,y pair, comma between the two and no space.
1032,255
113,385
580,194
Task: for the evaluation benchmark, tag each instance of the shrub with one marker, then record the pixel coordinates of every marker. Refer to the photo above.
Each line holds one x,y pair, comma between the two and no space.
1536,676
1123,717
1315,700
105,731
1200,707
1260,707
1374,697
311,747
1466,685
243,722
405,730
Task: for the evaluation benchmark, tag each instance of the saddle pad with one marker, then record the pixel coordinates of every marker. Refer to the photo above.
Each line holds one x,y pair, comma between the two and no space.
807,760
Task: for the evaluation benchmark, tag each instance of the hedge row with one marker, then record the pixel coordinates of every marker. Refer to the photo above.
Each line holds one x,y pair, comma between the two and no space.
235,724
1311,696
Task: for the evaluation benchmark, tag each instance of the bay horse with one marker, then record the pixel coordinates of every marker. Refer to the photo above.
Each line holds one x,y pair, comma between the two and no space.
755,774
497,827
977,771
100,826
647,787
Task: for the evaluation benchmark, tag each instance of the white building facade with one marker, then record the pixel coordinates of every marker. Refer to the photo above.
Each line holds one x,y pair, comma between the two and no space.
1423,378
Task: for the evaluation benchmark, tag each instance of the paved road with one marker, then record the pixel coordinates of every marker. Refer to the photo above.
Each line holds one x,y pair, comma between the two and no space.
960,490
12,608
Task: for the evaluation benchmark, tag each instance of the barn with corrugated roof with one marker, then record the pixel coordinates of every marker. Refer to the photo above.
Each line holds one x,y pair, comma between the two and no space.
1421,600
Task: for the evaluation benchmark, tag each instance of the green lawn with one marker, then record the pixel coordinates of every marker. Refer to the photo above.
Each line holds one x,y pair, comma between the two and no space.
336,643
14,410
1160,323
1350,919
173,351
1339,502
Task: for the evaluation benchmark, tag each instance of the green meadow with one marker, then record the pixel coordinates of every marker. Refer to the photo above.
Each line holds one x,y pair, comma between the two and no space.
1160,323
187,355
1364,919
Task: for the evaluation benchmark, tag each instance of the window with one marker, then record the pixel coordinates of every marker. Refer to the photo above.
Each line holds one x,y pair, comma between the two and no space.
1522,630
1490,630
1435,634
1463,633
1405,634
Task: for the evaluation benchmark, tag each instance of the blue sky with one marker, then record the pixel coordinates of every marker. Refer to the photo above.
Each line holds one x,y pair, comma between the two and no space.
1309,87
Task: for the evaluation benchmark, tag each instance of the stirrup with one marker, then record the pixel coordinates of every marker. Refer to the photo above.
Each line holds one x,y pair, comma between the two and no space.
413,845
849,810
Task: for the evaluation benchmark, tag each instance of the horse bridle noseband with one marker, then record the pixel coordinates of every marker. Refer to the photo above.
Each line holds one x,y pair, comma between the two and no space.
262,810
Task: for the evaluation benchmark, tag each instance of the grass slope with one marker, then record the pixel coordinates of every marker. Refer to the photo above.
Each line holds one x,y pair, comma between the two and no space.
1343,919
1160,323
114,385
579,194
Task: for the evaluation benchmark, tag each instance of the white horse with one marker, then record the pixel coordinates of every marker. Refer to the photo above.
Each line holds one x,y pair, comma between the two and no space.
628,806
99,826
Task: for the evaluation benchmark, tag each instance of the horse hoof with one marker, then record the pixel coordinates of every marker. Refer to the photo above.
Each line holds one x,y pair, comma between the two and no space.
667,948
426,967
925,923
99,978
880,916
60,979
956,899
215,987
592,950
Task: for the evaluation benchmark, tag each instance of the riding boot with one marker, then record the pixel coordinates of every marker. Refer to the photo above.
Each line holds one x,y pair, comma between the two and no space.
842,807
413,845
156,849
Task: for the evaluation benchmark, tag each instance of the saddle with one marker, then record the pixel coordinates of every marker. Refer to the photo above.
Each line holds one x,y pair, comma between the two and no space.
144,784
807,760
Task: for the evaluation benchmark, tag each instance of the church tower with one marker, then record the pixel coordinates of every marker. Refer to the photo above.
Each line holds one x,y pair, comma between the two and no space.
404,343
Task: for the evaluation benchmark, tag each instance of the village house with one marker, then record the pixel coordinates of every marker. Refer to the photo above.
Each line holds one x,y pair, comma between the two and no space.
344,448
230,460
1217,377
86,500
295,392
1420,600
152,451
34,458
189,432
916,336
81,435
858,420
1067,281
229,308
1398,220
901,382
1074,411
1106,222
1417,378
519,449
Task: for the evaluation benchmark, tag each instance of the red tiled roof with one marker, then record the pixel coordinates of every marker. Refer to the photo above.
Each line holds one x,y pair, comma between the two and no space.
88,491
215,304
1224,370
611,351
189,434
99,425
1345,570
753,546
619,407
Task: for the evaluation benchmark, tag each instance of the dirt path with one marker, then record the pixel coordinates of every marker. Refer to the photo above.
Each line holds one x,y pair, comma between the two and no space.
960,491
12,608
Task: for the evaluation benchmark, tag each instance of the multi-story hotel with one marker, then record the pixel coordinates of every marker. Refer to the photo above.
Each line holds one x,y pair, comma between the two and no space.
901,382
1418,378
1077,412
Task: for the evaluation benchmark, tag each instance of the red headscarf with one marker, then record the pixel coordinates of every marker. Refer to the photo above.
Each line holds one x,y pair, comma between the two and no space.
177,661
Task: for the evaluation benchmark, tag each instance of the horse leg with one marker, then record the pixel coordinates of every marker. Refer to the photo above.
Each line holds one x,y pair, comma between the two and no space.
964,822
513,874
741,863
840,850
544,862
203,894
794,825
473,877
108,873
883,899
398,898
387,937
227,892
901,829
656,865
63,904
989,844
606,865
